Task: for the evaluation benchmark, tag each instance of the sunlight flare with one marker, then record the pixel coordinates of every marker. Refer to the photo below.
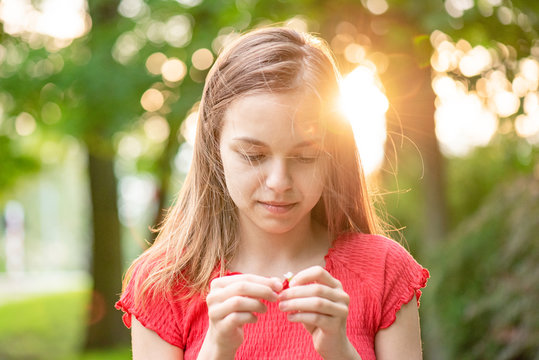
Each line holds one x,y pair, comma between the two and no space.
364,105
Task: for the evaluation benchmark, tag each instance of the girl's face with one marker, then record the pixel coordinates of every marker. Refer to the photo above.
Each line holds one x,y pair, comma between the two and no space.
271,150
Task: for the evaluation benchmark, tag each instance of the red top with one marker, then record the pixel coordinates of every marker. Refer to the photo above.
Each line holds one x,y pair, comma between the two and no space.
378,274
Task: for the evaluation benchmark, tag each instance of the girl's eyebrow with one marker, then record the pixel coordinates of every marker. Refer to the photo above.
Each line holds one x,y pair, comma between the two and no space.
255,142
250,141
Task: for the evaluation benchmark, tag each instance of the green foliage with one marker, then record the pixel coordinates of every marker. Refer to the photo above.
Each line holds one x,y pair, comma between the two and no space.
113,354
472,178
468,181
48,327
99,102
485,284
39,327
13,164
402,182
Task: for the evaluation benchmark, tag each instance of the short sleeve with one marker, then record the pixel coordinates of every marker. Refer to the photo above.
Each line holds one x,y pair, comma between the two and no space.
157,313
403,278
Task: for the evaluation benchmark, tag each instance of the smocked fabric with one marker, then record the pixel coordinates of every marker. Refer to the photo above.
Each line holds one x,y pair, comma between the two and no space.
378,273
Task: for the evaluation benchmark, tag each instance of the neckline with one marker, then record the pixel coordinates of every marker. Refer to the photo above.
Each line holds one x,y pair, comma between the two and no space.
331,250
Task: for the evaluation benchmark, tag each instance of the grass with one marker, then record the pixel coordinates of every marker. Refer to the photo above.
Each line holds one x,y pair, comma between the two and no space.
48,327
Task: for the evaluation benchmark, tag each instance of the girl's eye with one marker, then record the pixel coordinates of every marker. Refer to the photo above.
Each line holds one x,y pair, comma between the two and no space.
253,157
306,159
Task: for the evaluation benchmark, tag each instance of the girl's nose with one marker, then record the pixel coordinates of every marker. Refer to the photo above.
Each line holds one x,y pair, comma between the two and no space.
278,176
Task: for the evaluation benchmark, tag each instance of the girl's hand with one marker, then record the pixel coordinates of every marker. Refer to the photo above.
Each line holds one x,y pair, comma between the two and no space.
232,302
317,300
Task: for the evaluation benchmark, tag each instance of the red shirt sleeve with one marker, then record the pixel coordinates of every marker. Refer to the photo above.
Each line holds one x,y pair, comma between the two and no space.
158,313
403,278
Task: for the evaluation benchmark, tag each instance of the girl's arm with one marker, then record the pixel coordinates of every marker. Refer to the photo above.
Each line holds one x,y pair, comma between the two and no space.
402,340
148,345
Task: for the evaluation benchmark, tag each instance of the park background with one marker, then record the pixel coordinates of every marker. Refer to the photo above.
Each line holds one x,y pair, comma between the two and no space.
98,100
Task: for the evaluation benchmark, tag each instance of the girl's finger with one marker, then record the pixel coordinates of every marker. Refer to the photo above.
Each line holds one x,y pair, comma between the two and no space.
315,290
313,320
315,305
246,289
315,274
224,281
238,319
235,304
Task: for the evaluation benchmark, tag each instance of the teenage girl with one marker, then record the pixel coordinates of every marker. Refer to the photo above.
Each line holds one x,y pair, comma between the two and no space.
275,186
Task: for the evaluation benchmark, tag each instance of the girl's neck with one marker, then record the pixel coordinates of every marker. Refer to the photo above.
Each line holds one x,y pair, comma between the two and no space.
269,254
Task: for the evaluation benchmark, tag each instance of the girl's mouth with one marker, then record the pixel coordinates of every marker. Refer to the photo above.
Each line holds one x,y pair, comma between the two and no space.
277,207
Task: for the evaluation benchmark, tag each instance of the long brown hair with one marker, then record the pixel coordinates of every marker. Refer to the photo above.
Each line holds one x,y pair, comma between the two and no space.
200,229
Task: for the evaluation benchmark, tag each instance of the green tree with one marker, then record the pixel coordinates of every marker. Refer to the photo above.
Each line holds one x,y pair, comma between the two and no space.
97,89
98,81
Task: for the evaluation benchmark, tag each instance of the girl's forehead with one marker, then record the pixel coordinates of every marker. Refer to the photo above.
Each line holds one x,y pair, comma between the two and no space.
274,115
300,108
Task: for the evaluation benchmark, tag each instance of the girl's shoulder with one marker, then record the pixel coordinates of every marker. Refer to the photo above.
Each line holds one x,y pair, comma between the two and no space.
359,246
379,266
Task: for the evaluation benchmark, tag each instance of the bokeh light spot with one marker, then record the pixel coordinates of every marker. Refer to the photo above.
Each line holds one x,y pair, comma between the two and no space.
156,128
354,53
202,59
25,124
97,308
225,36
505,15
173,70
177,31
130,147
529,69
60,19
531,103
475,61
152,100
377,7
189,126
51,113
131,8
126,46
298,23
456,8
189,3
154,62
506,103
463,122
527,126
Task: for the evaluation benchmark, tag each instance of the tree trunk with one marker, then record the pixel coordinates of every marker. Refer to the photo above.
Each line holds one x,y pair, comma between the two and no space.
413,104
165,162
105,328
165,172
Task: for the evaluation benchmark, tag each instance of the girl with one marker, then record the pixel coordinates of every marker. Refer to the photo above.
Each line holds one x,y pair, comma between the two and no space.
275,186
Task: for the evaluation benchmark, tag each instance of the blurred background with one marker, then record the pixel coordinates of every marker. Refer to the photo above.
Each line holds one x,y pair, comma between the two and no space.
98,101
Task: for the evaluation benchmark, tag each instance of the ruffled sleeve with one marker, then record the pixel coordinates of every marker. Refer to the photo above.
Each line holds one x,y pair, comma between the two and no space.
403,278
158,313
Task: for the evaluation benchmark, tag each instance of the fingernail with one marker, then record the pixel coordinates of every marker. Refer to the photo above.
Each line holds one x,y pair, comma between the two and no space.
283,305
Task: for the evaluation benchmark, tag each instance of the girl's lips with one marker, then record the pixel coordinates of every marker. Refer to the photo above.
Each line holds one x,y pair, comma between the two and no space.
277,207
